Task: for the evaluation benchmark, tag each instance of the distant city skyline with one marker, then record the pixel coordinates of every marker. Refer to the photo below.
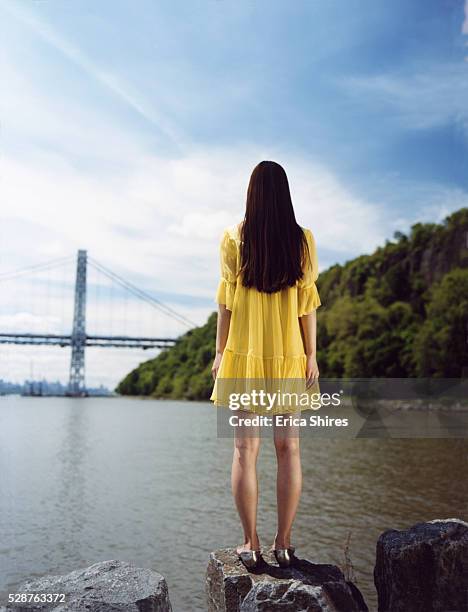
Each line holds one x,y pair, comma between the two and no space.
131,131
44,387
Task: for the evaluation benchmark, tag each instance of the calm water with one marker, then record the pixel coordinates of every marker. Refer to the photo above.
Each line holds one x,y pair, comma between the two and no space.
148,482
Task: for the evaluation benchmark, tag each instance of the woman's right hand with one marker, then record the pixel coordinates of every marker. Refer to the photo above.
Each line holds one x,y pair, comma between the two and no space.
312,371
216,364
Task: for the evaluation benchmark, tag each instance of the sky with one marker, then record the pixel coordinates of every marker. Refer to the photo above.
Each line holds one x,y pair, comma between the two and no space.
130,129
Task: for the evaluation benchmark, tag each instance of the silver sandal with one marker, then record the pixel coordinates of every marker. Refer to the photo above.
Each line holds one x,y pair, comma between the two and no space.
284,556
250,558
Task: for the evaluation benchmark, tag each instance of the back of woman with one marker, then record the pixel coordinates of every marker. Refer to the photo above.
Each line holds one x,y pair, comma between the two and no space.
268,273
266,333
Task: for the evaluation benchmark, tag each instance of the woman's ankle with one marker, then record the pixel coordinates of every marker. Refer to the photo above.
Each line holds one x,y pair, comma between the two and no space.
281,541
252,541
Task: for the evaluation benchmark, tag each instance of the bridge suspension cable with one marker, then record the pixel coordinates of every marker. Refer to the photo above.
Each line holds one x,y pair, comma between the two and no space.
35,268
143,295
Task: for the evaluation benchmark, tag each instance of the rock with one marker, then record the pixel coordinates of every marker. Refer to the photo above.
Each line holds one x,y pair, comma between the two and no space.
108,586
423,569
305,586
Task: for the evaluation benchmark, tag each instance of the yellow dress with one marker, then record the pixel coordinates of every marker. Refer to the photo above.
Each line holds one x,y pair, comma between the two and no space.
264,340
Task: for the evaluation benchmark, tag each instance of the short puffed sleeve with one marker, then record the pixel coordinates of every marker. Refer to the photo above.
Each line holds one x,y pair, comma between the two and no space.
308,298
228,281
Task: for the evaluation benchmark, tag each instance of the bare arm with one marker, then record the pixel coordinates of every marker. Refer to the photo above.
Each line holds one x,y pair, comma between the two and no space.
309,336
222,331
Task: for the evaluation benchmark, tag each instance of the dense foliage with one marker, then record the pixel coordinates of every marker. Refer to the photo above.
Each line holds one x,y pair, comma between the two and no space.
400,312
183,371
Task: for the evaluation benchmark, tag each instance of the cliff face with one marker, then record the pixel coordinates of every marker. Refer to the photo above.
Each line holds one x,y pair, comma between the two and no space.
395,313
449,250
428,253
400,312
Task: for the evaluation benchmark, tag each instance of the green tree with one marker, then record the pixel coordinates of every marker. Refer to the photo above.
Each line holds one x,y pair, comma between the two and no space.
441,346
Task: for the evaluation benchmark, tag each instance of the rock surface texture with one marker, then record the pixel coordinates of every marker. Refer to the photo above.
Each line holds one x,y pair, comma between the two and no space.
109,586
303,587
423,569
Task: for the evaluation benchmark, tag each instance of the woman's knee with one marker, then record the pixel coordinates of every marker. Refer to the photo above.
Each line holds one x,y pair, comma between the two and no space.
286,446
246,448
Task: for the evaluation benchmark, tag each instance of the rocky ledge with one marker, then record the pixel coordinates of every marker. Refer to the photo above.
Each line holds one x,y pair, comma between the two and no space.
424,568
109,586
420,569
304,586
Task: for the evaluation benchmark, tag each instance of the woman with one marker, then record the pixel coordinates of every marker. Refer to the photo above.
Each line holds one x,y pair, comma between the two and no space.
266,330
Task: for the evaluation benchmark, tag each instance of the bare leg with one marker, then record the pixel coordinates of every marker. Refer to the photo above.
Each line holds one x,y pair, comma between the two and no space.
289,481
244,483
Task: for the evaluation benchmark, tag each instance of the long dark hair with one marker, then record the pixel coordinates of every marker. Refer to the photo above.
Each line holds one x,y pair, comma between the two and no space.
273,245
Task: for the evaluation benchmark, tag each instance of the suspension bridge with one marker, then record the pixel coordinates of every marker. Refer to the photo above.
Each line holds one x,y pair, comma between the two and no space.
78,338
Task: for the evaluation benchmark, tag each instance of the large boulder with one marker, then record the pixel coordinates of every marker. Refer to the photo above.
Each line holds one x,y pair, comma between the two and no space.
304,586
108,586
424,568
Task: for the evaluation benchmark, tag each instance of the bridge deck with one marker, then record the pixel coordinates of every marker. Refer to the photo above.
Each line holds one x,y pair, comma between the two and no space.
143,342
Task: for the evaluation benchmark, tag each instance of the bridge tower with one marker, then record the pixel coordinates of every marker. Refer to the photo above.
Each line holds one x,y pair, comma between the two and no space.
76,385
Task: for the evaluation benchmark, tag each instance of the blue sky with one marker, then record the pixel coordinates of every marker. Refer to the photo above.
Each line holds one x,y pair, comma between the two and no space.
131,128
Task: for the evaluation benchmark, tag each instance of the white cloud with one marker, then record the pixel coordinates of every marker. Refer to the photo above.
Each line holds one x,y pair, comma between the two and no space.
162,214
203,224
418,100
465,21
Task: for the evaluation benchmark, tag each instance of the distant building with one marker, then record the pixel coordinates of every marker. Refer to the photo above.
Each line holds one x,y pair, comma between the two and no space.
46,388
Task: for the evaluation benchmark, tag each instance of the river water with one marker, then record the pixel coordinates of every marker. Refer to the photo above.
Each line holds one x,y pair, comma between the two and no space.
147,481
